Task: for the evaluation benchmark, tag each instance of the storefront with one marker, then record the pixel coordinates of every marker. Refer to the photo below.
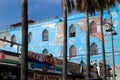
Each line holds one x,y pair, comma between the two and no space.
9,72
49,68
34,75
40,67
9,68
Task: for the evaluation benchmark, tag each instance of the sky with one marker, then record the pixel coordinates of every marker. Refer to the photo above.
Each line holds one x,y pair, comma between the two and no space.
10,11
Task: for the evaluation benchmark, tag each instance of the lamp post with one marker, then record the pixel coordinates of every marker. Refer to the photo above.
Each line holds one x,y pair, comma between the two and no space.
112,31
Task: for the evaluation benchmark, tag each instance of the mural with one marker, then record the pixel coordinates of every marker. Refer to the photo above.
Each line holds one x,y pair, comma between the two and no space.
117,67
44,63
94,26
59,37
54,45
94,29
5,36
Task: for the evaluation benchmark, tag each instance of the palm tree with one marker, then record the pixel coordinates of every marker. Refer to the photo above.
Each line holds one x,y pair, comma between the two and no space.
103,46
67,6
24,52
65,42
100,6
87,7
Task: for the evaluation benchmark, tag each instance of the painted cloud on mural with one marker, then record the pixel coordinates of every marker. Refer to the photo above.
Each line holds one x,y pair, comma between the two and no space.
59,36
94,26
5,36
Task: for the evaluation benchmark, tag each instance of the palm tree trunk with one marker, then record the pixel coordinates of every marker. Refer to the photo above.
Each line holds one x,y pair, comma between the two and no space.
24,52
65,41
103,47
87,45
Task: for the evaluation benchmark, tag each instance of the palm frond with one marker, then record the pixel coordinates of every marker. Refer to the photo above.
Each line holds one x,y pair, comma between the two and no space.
82,5
69,5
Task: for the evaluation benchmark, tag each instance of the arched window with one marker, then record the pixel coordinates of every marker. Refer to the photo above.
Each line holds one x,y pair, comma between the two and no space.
94,50
4,38
13,40
72,51
45,35
72,31
29,37
45,52
93,27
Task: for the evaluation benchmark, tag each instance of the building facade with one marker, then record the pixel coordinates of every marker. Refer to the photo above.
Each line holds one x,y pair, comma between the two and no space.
47,37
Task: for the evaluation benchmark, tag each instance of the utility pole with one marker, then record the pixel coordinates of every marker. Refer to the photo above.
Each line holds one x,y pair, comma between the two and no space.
113,32
113,59
24,49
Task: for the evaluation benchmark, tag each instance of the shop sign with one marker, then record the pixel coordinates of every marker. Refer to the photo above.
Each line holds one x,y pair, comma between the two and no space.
52,77
2,56
36,76
47,59
46,77
44,63
8,58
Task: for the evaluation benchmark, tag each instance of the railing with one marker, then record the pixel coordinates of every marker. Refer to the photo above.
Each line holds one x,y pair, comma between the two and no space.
13,43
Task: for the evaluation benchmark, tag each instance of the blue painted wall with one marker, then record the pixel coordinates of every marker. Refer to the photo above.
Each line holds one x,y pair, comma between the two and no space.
54,45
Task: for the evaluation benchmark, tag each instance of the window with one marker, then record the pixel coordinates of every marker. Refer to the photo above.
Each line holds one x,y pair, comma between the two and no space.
72,31
45,52
94,50
13,40
93,27
4,38
72,51
29,37
45,35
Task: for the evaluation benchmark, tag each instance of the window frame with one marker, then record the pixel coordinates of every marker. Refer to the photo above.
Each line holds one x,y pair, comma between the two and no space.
45,50
45,35
72,31
13,40
72,53
29,37
93,49
4,38
92,28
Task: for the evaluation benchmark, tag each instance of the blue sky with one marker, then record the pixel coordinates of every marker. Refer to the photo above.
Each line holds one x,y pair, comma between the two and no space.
37,9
